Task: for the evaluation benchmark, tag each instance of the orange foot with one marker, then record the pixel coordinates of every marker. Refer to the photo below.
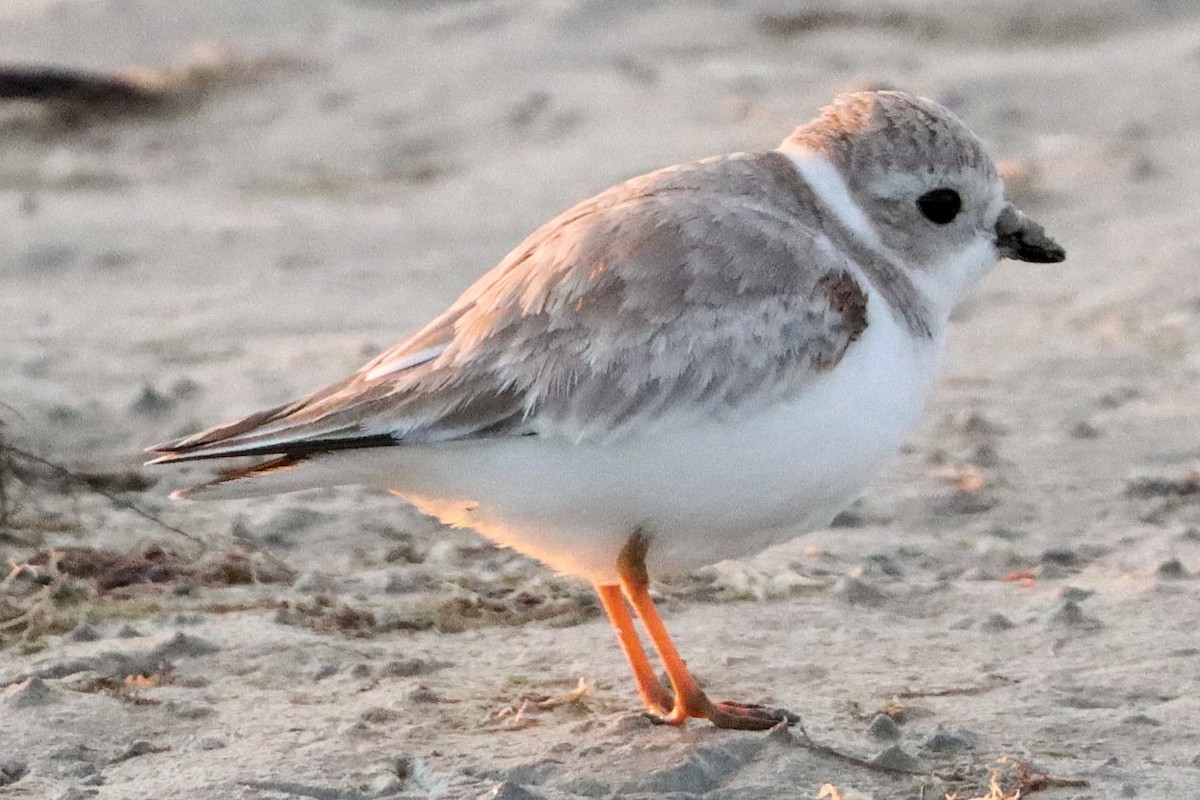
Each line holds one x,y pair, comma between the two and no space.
686,700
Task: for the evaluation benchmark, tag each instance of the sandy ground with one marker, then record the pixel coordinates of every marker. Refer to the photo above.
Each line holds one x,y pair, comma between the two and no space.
1019,586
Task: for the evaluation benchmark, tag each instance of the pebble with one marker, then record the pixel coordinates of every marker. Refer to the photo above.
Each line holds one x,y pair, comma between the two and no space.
879,562
947,741
183,646
1142,719
127,631
29,693
1061,556
324,671
1075,594
1085,430
510,791
78,769
996,623
857,592
78,794
151,403
378,715
410,667
210,743
423,694
360,670
883,727
895,758
12,770
1173,570
138,747
71,752
1069,614
83,633
630,723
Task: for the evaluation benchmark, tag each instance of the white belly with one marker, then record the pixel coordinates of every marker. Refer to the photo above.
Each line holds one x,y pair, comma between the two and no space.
702,492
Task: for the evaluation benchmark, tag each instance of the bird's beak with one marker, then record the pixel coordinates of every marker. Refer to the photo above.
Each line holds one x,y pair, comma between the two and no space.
1019,237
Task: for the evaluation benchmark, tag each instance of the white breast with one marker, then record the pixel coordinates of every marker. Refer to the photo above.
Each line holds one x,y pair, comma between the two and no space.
703,492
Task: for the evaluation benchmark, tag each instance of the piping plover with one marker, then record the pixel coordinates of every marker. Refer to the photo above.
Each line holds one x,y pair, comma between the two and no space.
691,366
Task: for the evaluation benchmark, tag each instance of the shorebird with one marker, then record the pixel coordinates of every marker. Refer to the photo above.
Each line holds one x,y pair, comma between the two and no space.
691,366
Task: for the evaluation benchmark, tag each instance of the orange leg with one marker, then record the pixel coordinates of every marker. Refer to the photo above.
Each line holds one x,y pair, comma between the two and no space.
656,698
690,700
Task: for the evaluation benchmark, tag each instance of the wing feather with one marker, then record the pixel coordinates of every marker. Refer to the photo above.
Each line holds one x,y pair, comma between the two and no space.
704,286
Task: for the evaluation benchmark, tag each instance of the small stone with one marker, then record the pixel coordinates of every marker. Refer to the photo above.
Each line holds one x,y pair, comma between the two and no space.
630,723
210,743
895,758
185,388
1085,430
510,791
883,564
12,770
78,769
996,623
138,747
1074,593
423,694
410,667
1069,614
188,710
29,693
151,403
1055,572
850,518
377,715
83,633
857,592
324,671
947,741
78,794
71,752
360,671
127,631
1142,719
781,733
1173,570
1061,556
183,646
884,728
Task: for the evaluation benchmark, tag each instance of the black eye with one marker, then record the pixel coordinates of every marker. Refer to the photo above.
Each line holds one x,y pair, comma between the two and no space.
940,206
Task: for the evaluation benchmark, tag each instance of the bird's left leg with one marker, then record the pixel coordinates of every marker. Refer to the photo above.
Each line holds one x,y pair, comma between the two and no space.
690,700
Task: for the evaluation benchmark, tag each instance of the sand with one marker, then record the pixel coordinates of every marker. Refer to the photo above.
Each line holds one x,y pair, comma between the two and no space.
1016,592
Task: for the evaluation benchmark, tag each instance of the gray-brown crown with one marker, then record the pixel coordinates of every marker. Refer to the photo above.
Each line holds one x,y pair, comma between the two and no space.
863,131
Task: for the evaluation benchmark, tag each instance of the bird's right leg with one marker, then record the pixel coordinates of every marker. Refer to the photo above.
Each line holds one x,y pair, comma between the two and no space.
657,699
